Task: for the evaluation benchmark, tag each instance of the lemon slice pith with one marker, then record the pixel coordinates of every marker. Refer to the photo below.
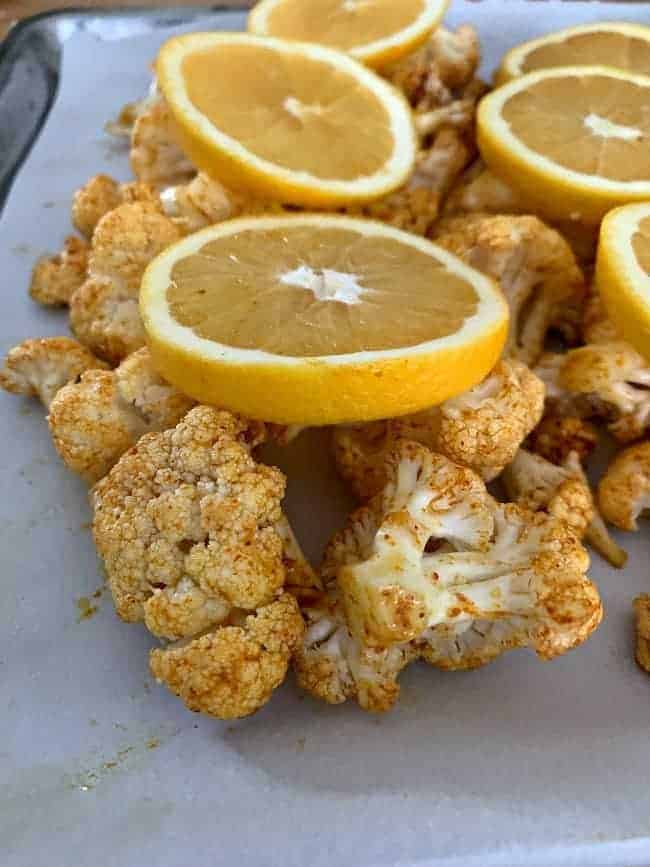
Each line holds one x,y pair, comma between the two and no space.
313,319
574,141
374,31
300,123
624,46
623,272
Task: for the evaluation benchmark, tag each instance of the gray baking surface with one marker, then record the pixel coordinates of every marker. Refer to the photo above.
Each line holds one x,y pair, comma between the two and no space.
518,763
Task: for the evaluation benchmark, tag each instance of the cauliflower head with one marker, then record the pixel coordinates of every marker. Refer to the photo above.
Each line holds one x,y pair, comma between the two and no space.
531,262
232,671
102,194
56,278
94,420
104,311
434,549
481,429
624,490
40,366
185,525
155,156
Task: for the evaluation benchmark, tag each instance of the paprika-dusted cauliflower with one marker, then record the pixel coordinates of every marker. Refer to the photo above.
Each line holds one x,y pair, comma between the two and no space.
481,429
155,156
95,420
624,490
601,380
55,278
532,263
187,514
563,492
556,436
185,523
102,194
40,366
232,671
104,311
434,550
642,618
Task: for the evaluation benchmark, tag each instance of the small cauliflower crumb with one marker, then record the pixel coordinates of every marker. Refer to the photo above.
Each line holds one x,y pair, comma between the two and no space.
40,366
56,278
232,671
531,262
642,618
481,429
104,311
95,420
624,490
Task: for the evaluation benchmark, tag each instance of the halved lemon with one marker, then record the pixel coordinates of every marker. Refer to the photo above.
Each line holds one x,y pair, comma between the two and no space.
573,141
374,31
623,272
318,319
614,43
297,122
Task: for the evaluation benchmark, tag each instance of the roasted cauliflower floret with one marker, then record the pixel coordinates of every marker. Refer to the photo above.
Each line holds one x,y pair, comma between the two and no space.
481,429
602,380
556,436
642,618
624,490
102,194
104,311
191,505
532,263
434,549
478,191
39,367
95,420
155,156
56,278
232,671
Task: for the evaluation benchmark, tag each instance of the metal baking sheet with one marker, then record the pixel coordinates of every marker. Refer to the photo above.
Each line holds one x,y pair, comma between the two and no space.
518,763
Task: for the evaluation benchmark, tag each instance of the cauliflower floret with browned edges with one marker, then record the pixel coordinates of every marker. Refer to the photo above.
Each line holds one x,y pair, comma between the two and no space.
155,156
104,311
565,493
556,436
56,278
95,420
187,515
232,671
39,367
624,490
601,380
102,194
481,429
435,550
531,262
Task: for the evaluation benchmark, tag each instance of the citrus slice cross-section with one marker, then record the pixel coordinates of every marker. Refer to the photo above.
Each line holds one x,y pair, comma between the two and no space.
623,272
374,31
617,43
573,141
313,319
297,122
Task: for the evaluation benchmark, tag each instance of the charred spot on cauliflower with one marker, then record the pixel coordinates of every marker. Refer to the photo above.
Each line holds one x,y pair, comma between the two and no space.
41,366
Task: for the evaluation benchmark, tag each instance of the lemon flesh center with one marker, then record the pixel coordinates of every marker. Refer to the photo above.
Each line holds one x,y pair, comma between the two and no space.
296,112
641,244
292,292
591,49
595,125
342,24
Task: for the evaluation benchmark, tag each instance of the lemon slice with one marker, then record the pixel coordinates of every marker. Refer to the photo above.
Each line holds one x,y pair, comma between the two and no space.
616,43
376,32
296,122
573,141
623,272
319,319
